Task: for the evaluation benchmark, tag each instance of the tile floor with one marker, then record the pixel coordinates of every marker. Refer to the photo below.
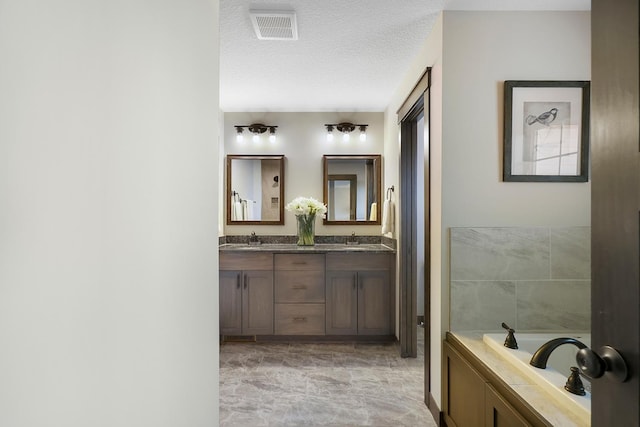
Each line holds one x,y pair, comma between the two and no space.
298,384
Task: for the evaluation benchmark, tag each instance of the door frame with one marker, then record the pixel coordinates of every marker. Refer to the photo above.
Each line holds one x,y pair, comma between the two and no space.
415,106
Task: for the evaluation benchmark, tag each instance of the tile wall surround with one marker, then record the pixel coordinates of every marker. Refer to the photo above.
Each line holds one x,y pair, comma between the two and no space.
274,239
532,278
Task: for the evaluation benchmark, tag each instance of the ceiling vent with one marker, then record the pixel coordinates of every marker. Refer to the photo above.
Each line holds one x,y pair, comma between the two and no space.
274,25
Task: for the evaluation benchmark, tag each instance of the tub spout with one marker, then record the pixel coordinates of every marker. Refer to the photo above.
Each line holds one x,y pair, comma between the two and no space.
541,356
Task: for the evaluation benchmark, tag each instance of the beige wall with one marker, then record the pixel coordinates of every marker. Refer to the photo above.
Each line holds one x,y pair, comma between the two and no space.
301,137
108,247
472,53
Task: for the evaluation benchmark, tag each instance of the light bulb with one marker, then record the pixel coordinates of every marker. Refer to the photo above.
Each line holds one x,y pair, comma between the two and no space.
239,136
329,133
363,133
256,138
272,138
345,137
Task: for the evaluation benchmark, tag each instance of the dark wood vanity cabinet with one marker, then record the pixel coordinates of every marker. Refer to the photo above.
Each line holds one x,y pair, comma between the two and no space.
246,294
313,294
359,294
475,397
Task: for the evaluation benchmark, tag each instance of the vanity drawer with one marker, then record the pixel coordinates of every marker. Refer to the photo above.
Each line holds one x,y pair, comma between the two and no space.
299,319
299,286
360,261
240,261
299,262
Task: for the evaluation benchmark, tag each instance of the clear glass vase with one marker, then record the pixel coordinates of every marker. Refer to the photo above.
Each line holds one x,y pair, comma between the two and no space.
306,229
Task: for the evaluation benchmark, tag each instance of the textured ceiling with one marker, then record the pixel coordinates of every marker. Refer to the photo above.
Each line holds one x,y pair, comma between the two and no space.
351,54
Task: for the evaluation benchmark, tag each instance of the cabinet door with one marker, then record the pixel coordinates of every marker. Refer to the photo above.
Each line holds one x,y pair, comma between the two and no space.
230,302
464,388
257,303
374,313
341,303
499,413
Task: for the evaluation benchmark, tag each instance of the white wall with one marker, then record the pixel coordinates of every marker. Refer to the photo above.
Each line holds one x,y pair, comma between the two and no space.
108,212
301,137
472,53
481,50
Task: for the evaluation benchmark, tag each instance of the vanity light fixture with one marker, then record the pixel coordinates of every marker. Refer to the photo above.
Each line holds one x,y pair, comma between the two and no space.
256,129
346,128
329,133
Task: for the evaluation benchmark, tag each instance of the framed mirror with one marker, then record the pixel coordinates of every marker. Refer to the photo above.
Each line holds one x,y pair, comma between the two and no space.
255,190
351,189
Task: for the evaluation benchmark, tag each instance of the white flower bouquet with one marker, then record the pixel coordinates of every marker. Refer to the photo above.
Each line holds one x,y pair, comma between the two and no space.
306,206
305,210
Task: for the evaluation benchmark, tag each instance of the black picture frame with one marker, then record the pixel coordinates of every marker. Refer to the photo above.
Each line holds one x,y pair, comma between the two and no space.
545,138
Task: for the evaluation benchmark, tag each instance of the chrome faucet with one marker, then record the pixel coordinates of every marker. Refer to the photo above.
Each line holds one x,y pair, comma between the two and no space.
541,356
253,239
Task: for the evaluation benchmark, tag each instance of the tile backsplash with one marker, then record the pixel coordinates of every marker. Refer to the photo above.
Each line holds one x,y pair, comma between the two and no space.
532,278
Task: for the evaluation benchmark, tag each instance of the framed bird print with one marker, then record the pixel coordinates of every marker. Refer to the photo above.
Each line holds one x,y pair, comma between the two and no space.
546,131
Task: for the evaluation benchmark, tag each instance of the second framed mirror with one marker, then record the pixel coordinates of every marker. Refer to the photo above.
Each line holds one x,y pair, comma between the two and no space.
351,189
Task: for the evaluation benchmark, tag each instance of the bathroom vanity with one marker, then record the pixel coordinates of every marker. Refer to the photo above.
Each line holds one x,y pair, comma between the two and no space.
326,291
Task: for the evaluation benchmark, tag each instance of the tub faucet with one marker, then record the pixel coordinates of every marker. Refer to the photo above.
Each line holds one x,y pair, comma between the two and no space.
541,356
510,341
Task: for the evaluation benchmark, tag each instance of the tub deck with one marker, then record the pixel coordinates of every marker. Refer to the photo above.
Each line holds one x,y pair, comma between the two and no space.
556,412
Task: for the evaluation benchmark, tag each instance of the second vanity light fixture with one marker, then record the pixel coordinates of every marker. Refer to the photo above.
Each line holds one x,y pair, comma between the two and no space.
256,129
346,128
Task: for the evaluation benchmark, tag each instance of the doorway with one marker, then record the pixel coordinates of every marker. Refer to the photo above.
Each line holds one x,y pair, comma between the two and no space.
414,239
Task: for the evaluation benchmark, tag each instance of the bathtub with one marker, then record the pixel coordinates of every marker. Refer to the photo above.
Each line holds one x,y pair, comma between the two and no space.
555,376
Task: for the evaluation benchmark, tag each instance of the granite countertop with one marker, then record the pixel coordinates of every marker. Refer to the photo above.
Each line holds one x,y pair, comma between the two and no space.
317,248
554,412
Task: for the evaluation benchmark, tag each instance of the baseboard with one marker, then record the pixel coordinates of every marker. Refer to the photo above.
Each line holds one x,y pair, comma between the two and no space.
437,415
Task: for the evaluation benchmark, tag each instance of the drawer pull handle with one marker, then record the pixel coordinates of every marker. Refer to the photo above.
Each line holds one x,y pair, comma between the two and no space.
299,263
299,287
299,319
245,282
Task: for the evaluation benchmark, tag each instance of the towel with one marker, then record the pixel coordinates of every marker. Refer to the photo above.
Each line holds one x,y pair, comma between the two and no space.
245,213
236,212
387,216
373,215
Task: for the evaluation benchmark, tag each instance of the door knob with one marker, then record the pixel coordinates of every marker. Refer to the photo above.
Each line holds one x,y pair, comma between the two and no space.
604,362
